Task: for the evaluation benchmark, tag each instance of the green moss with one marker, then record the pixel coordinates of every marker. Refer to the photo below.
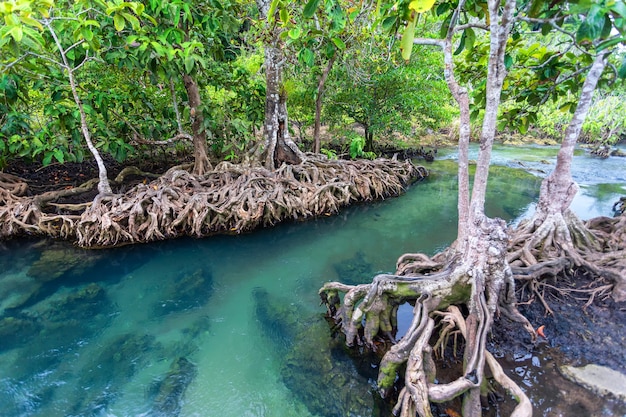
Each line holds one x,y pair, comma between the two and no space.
387,376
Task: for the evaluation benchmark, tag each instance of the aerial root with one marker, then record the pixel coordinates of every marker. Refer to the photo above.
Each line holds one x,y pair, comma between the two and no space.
229,199
559,244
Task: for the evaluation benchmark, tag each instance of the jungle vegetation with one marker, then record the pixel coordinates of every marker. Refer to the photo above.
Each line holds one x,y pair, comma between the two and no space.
235,94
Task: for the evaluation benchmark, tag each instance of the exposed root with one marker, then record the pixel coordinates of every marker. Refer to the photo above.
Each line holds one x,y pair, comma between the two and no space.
557,244
479,279
229,199
13,184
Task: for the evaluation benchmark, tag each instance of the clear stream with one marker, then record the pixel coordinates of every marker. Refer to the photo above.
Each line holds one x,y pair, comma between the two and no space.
175,328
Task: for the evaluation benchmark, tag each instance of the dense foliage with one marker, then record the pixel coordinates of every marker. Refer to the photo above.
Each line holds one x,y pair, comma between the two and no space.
129,60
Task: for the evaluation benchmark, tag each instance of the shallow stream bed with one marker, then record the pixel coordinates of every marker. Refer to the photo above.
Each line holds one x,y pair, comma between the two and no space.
231,325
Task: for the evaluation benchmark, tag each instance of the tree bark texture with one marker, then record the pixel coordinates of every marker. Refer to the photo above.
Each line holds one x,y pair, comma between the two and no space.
318,104
278,146
103,184
200,148
559,189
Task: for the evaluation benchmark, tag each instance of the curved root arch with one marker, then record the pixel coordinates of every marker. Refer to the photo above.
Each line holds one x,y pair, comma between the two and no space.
229,199
559,242
480,280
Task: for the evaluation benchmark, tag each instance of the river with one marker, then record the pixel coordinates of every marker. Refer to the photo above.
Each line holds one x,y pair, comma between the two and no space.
100,332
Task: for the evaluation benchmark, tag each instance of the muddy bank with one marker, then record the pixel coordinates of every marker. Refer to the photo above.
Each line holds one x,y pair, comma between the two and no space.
577,334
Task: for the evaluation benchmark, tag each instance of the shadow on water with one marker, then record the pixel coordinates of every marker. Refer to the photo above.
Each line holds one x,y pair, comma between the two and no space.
230,325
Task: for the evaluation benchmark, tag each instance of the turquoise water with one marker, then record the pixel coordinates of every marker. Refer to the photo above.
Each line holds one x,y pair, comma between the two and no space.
97,332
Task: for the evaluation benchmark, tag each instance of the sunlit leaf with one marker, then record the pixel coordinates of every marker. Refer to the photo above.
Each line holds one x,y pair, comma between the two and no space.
339,43
421,6
295,33
284,16
16,33
406,44
119,22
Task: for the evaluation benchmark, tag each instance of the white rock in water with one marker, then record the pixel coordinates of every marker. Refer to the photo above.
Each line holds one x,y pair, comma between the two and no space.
599,379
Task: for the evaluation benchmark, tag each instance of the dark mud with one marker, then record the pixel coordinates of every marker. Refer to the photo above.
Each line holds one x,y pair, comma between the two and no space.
577,334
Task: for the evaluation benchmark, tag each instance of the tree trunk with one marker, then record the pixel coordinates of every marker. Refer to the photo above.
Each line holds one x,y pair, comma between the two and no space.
104,186
559,189
369,139
473,272
318,104
279,148
554,239
200,149
499,29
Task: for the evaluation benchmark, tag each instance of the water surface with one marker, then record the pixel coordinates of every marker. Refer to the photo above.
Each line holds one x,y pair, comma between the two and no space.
97,332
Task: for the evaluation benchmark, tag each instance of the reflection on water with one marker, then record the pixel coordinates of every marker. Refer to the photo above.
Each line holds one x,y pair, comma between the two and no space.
176,328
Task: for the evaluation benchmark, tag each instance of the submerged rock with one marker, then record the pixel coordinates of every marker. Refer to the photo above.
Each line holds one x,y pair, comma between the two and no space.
16,331
321,374
171,389
599,379
107,373
318,370
355,270
278,319
81,304
188,290
60,260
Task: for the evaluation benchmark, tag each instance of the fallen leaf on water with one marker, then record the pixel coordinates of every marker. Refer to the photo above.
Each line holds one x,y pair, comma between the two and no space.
540,331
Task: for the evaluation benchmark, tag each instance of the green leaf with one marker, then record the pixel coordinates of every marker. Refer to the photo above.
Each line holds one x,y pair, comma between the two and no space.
535,8
442,8
339,43
389,22
608,26
134,22
471,39
16,33
508,61
406,44
47,158
619,7
309,8
91,23
284,16
59,156
307,57
591,28
27,20
461,46
295,33
87,34
119,22
189,64
610,42
622,70
443,31
272,10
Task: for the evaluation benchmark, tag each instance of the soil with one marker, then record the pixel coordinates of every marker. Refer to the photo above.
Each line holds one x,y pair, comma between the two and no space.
583,334
57,176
